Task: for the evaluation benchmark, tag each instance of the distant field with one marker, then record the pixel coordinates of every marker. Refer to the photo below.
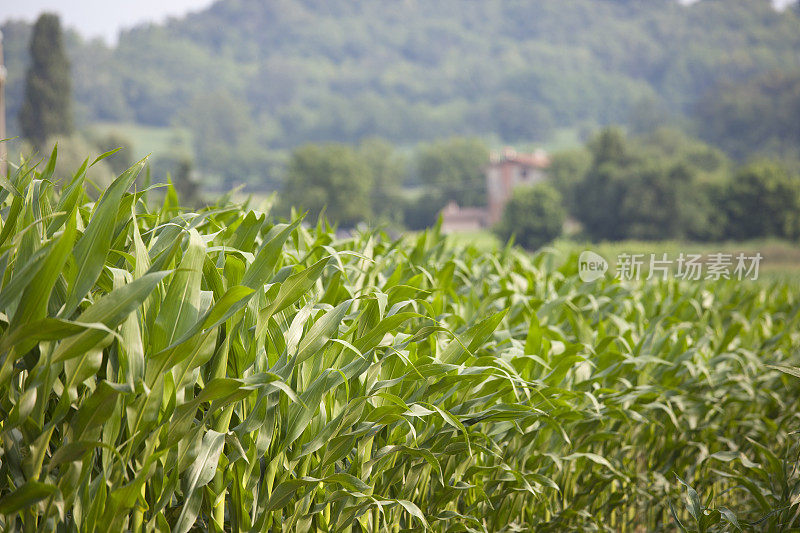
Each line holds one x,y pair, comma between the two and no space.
779,257
562,139
482,240
147,139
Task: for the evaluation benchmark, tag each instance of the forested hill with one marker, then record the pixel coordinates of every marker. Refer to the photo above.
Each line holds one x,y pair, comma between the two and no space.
290,71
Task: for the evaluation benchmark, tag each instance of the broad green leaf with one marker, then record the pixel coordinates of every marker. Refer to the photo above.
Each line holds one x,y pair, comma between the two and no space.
93,246
110,310
33,303
25,496
199,475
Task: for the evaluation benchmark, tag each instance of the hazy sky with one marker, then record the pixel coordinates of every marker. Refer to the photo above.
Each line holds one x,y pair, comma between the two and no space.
100,18
104,18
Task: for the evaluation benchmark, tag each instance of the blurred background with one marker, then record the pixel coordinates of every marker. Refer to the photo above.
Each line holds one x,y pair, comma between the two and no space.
601,120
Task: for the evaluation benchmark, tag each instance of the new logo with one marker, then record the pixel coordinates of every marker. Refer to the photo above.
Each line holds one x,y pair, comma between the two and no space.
591,266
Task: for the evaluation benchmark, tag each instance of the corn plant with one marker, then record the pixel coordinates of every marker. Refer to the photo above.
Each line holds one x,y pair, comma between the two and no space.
221,370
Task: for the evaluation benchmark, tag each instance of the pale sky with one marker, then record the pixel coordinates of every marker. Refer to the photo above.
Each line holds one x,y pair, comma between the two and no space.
104,18
100,18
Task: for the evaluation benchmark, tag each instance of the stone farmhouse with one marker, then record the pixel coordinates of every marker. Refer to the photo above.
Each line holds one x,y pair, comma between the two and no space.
506,171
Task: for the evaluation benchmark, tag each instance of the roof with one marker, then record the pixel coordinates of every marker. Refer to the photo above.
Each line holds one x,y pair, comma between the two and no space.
538,159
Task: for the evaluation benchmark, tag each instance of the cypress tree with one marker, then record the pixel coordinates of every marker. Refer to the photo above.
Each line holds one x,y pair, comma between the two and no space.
46,108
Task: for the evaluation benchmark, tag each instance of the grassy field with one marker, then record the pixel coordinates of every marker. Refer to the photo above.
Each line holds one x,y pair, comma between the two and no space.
219,370
563,139
146,140
780,258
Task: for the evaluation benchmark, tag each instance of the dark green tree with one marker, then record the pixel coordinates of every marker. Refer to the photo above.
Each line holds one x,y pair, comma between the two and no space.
610,146
387,170
331,177
642,189
46,107
598,197
535,215
454,170
763,200
656,192
567,170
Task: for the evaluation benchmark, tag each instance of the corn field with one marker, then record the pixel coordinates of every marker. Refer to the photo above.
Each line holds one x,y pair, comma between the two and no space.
220,370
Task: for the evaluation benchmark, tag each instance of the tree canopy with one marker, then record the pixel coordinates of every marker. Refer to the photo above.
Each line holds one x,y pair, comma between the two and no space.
330,177
666,185
453,169
322,70
534,216
759,116
47,104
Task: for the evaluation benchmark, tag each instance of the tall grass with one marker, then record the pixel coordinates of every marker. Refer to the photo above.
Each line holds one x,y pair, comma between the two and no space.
164,370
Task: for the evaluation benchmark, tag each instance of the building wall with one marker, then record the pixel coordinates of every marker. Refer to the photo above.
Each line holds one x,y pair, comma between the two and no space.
456,219
496,191
502,178
456,225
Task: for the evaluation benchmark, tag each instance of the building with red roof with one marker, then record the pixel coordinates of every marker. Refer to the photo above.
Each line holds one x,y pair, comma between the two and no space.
506,171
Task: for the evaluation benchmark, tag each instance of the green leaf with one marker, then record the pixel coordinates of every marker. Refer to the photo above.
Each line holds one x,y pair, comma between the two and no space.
472,339
182,308
110,310
33,303
414,511
322,331
25,497
92,248
199,475
263,265
95,410
791,370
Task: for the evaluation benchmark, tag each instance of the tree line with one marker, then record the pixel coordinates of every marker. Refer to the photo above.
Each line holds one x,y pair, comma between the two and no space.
664,185
660,186
376,182
332,70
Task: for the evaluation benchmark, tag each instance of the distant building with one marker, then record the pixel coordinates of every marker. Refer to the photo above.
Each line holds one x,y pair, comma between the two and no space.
506,171
456,219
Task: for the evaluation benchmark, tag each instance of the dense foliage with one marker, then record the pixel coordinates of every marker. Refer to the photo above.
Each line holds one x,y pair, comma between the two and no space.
453,170
317,70
364,183
534,216
161,369
47,107
761,116
665,185
246,81
330,176
763,200
630,192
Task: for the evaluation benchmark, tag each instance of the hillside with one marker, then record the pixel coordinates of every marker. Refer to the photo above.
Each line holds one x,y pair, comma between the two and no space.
311,70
